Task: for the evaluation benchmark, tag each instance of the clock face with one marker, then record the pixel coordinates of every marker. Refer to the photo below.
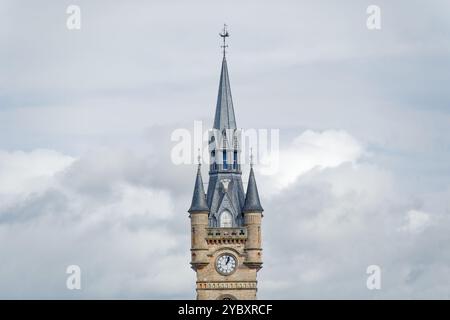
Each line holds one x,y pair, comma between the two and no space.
226,264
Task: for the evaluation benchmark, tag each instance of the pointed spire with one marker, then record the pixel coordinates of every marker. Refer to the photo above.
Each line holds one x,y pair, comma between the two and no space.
198,198
252,203
224,118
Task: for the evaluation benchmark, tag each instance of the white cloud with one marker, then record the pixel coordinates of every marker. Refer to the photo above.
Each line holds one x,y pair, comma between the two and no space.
106,213
312,150
94,214
416,221
323,231
26,175
28,171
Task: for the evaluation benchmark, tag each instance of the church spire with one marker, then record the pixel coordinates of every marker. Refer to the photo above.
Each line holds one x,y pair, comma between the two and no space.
198,198
224,117
252,203
226,223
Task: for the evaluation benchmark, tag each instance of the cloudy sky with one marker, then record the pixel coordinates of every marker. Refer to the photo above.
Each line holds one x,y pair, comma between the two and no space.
86,118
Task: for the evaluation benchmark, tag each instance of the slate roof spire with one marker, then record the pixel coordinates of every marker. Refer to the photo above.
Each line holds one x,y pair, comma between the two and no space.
198,203
224,117
252,203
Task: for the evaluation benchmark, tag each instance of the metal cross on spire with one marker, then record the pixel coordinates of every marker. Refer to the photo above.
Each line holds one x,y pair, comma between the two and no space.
224,36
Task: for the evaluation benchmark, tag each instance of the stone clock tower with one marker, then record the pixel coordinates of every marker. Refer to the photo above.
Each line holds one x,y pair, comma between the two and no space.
226,248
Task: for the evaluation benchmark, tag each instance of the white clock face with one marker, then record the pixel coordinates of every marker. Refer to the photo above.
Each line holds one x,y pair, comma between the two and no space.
226,264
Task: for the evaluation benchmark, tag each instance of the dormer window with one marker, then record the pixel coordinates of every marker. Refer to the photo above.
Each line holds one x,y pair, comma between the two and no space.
226,219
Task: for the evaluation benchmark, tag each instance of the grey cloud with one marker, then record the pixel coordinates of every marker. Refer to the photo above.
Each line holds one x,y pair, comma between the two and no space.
111,94
328,238
104,224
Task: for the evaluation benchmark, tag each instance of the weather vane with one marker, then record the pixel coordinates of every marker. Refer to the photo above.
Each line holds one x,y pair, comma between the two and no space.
224,36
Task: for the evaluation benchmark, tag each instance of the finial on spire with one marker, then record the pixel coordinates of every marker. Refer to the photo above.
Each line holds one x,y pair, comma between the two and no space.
224,36
251,157
199,158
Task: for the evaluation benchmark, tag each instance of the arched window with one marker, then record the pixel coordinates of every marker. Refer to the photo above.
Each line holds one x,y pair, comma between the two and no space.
226,219
225,163
226,297
213,159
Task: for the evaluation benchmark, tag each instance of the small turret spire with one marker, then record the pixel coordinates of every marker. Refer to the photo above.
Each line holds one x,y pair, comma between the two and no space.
198,203
252,202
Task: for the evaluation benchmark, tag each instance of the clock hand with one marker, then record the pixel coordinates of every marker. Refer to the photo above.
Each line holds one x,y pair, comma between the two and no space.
228,260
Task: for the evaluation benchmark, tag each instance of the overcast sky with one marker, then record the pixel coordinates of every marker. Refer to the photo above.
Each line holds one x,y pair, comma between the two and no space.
86,118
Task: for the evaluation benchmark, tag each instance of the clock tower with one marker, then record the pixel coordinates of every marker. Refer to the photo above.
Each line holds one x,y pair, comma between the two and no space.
226,248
